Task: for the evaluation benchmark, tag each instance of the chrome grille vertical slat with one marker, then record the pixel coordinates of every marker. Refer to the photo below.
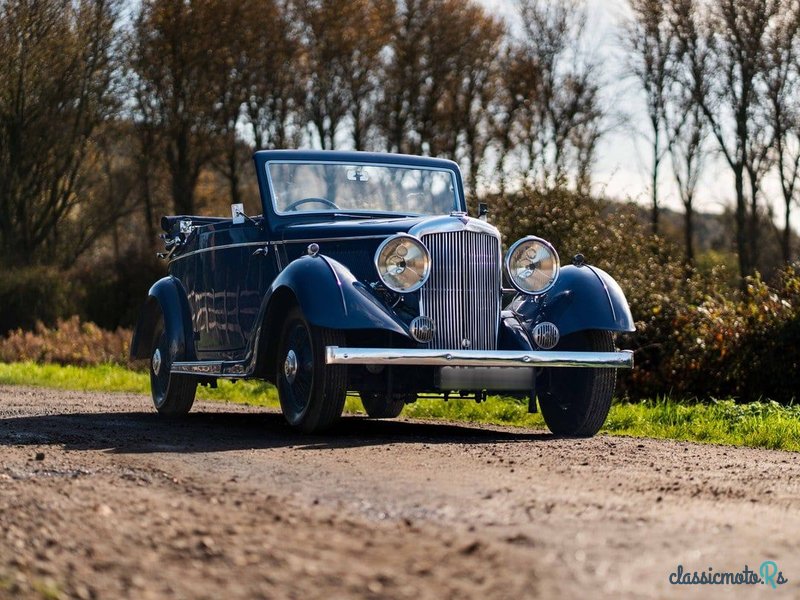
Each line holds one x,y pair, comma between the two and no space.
462,295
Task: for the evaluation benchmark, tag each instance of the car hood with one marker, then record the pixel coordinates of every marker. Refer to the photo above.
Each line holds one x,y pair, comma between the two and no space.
339,228
349,228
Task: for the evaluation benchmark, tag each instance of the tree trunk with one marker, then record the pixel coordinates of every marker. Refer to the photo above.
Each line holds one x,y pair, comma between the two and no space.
654,182
745,266
753,234
786,241
688,228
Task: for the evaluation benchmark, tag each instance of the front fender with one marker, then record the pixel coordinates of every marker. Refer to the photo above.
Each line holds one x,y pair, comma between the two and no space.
583,298
165,299
331,297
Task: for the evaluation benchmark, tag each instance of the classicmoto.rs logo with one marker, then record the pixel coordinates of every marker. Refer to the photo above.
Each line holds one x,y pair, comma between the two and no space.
768,574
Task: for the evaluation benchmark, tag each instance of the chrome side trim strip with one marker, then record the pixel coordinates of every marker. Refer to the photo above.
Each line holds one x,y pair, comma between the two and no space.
280,243
332,239
223,247
335,355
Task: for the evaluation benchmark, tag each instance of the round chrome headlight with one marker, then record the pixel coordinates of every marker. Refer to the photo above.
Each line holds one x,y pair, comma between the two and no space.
403,263
532,265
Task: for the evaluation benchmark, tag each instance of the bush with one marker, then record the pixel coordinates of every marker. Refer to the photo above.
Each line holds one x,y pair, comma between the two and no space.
70,342
746,347
35,294
696,337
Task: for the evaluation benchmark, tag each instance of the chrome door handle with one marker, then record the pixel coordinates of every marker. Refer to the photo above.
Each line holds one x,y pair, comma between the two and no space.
261,251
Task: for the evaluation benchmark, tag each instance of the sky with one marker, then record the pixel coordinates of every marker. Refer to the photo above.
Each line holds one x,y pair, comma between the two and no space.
623,162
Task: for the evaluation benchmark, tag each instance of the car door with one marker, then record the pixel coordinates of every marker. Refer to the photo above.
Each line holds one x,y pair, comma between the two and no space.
231,274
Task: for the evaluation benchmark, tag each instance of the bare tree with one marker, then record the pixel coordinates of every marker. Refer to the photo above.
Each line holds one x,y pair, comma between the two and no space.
56,87
422,57
687,147
173,54
552,113
783,100
276,79
686,123
736,35
461,127
237,33
650,41
342,44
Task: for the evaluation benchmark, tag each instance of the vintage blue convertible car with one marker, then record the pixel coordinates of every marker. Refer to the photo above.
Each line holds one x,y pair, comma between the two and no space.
366,275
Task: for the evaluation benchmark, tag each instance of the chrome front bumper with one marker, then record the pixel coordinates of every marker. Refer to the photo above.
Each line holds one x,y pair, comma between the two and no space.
334,355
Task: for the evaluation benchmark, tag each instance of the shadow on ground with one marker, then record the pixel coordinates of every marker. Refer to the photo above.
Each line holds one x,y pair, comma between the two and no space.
138,432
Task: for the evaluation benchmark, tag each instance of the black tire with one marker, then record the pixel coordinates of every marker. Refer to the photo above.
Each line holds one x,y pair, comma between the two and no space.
173,395
378,406
312,394
575,402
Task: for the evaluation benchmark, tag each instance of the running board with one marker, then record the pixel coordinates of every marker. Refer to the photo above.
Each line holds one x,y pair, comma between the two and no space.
210,368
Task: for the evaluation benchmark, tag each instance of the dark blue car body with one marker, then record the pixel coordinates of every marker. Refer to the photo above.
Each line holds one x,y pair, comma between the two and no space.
221,311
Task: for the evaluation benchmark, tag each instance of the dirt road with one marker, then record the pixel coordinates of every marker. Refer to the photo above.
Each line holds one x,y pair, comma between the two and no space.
100,498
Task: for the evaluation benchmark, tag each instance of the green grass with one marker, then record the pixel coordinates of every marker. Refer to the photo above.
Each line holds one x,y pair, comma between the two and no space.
758,424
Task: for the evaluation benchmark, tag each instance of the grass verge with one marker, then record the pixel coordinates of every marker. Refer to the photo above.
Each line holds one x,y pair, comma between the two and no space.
758,424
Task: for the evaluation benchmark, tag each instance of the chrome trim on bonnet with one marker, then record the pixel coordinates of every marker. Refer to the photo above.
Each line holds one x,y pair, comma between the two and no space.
335,355
448,223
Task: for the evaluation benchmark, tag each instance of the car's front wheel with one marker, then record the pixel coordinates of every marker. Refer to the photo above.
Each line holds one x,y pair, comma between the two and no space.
312,394
576,401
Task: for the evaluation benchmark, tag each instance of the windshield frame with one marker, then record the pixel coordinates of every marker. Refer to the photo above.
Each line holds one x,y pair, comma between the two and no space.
458,201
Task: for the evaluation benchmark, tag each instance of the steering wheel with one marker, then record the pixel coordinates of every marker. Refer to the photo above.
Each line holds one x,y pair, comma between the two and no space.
297,203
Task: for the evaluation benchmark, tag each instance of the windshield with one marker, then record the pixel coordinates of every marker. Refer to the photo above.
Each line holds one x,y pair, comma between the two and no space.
343,187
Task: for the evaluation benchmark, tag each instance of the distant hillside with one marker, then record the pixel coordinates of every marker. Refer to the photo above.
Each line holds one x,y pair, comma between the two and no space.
715,233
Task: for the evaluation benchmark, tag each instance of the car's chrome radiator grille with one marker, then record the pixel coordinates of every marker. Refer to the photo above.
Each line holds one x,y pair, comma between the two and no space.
462,295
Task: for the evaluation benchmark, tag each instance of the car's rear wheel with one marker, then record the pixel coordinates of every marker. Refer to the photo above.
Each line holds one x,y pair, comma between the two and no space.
312,394
380,406
575,402
173,394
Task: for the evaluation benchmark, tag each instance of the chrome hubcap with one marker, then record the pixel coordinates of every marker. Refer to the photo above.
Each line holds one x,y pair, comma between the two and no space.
156,361
290,367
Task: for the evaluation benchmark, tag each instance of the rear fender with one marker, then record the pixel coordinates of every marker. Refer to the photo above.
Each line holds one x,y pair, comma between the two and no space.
166,300
582,298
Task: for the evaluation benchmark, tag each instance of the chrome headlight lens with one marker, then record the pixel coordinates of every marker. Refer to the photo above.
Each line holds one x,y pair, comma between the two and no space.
403,263
532,265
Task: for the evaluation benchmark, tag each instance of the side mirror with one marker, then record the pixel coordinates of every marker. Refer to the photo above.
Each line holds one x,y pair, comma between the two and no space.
237,213
483,211
239,216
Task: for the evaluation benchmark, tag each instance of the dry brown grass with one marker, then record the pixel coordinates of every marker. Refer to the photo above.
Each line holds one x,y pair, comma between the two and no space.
70,342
